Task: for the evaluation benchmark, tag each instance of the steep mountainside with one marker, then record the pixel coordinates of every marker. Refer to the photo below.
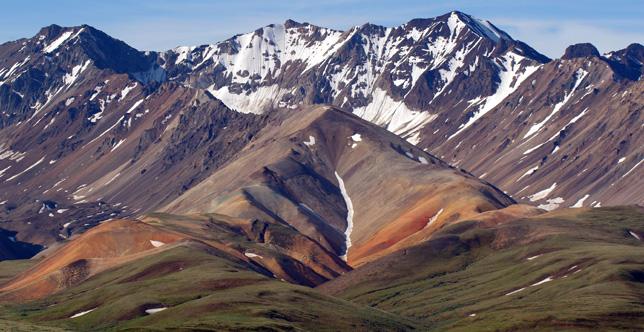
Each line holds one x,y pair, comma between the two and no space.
569,136
93,129
457,87
84,141
91,138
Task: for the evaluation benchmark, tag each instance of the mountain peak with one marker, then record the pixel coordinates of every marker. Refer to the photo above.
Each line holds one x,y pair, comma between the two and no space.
482,28
583,50
293,24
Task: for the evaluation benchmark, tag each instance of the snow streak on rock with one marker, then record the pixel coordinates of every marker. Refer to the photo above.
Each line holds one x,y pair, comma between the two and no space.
347,201
83,313
581,74
512,74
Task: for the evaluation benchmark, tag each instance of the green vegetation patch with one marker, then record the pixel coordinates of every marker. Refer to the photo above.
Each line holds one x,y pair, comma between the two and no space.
200,292
579,271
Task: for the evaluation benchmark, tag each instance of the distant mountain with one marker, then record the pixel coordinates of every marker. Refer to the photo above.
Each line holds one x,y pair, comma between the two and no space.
401,78
455,86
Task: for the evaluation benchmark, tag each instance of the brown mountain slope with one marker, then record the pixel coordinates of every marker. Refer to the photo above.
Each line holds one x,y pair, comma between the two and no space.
294,172
570,135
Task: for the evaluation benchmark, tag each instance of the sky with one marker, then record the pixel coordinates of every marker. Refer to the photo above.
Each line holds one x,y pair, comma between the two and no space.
549,26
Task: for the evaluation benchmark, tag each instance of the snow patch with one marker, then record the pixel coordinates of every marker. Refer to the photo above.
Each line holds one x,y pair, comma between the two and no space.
154,310
423,160
311,141
28,168
127,90
70,78
114,178
251,255
83,313
634,167
355,138
98,90
528,151
4,170
575,119
528,172
432,219
516,291
635,235
134,106
533,257
156,244
118,144
542,281
580,74
350,211
542,194
580,202
59,41
395,115
552,204
512,74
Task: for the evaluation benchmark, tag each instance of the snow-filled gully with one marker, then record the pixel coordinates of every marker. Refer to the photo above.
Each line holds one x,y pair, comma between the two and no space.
347,200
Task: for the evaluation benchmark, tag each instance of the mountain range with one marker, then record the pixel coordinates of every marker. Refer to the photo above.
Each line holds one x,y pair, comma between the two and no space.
358,173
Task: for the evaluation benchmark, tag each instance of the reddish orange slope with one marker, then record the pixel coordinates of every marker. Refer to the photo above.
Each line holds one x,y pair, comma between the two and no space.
110,244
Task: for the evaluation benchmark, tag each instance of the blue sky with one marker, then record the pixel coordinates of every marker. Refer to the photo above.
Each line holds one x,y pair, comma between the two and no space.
547,25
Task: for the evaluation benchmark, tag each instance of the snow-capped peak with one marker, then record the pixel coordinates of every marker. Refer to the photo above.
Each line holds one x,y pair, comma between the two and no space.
482,28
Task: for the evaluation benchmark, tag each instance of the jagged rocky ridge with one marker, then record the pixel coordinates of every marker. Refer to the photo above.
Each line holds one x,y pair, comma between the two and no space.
457,87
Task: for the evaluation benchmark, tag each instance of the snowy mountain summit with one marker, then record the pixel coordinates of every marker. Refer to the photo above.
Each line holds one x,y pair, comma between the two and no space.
399,77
